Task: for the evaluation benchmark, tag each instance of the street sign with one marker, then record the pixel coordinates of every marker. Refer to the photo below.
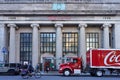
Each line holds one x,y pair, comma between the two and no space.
4,50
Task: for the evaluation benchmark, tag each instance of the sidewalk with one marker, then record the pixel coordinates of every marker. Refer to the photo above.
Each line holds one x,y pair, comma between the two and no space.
56,73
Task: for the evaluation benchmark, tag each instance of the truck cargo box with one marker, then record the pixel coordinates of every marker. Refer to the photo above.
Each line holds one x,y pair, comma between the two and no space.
103,58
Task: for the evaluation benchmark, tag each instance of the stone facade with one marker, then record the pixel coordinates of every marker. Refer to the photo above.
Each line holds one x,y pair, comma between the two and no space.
100,17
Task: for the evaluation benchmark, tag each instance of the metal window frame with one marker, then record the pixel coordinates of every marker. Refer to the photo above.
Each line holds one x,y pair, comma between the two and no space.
25,55
47,48
64,42
94,43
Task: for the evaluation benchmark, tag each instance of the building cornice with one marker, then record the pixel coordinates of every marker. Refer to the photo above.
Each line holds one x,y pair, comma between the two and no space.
59,13
52,1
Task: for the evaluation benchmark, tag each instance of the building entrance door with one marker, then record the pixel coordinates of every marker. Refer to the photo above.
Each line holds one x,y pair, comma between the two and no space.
50,63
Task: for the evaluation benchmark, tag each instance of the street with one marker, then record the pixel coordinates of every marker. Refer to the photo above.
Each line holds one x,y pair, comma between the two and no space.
59,77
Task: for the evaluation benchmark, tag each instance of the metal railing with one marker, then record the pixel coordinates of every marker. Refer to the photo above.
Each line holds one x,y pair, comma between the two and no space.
59,1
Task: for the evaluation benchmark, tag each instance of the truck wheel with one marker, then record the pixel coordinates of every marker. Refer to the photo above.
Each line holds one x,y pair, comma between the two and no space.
66,72
99,73
11,71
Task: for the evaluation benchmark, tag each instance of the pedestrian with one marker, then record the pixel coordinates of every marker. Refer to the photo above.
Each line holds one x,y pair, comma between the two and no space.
47,66
30,68
51,66
24,66
37,68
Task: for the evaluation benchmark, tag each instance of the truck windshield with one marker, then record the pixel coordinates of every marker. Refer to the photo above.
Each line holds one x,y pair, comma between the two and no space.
69,60
74,60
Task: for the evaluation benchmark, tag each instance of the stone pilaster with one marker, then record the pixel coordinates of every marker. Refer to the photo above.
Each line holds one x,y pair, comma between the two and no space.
116,36
2,42
82,43
106,35
12,44
58,43
35,44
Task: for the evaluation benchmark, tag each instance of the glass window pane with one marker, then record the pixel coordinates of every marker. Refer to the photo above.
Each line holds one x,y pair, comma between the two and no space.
92,40
25,46
48,42
70,42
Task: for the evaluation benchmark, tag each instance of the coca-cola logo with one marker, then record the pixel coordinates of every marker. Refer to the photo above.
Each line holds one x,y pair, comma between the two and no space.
112,59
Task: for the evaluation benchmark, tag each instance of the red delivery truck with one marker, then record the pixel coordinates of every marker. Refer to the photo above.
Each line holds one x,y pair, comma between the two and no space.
98,61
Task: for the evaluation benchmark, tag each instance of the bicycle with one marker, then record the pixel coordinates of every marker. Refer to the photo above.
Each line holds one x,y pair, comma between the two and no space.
26,74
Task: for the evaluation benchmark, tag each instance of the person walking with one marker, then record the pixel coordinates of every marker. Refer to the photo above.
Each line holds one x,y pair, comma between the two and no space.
30,68
37,68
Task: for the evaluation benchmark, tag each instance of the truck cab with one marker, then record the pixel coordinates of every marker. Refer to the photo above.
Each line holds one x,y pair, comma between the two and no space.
73,67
